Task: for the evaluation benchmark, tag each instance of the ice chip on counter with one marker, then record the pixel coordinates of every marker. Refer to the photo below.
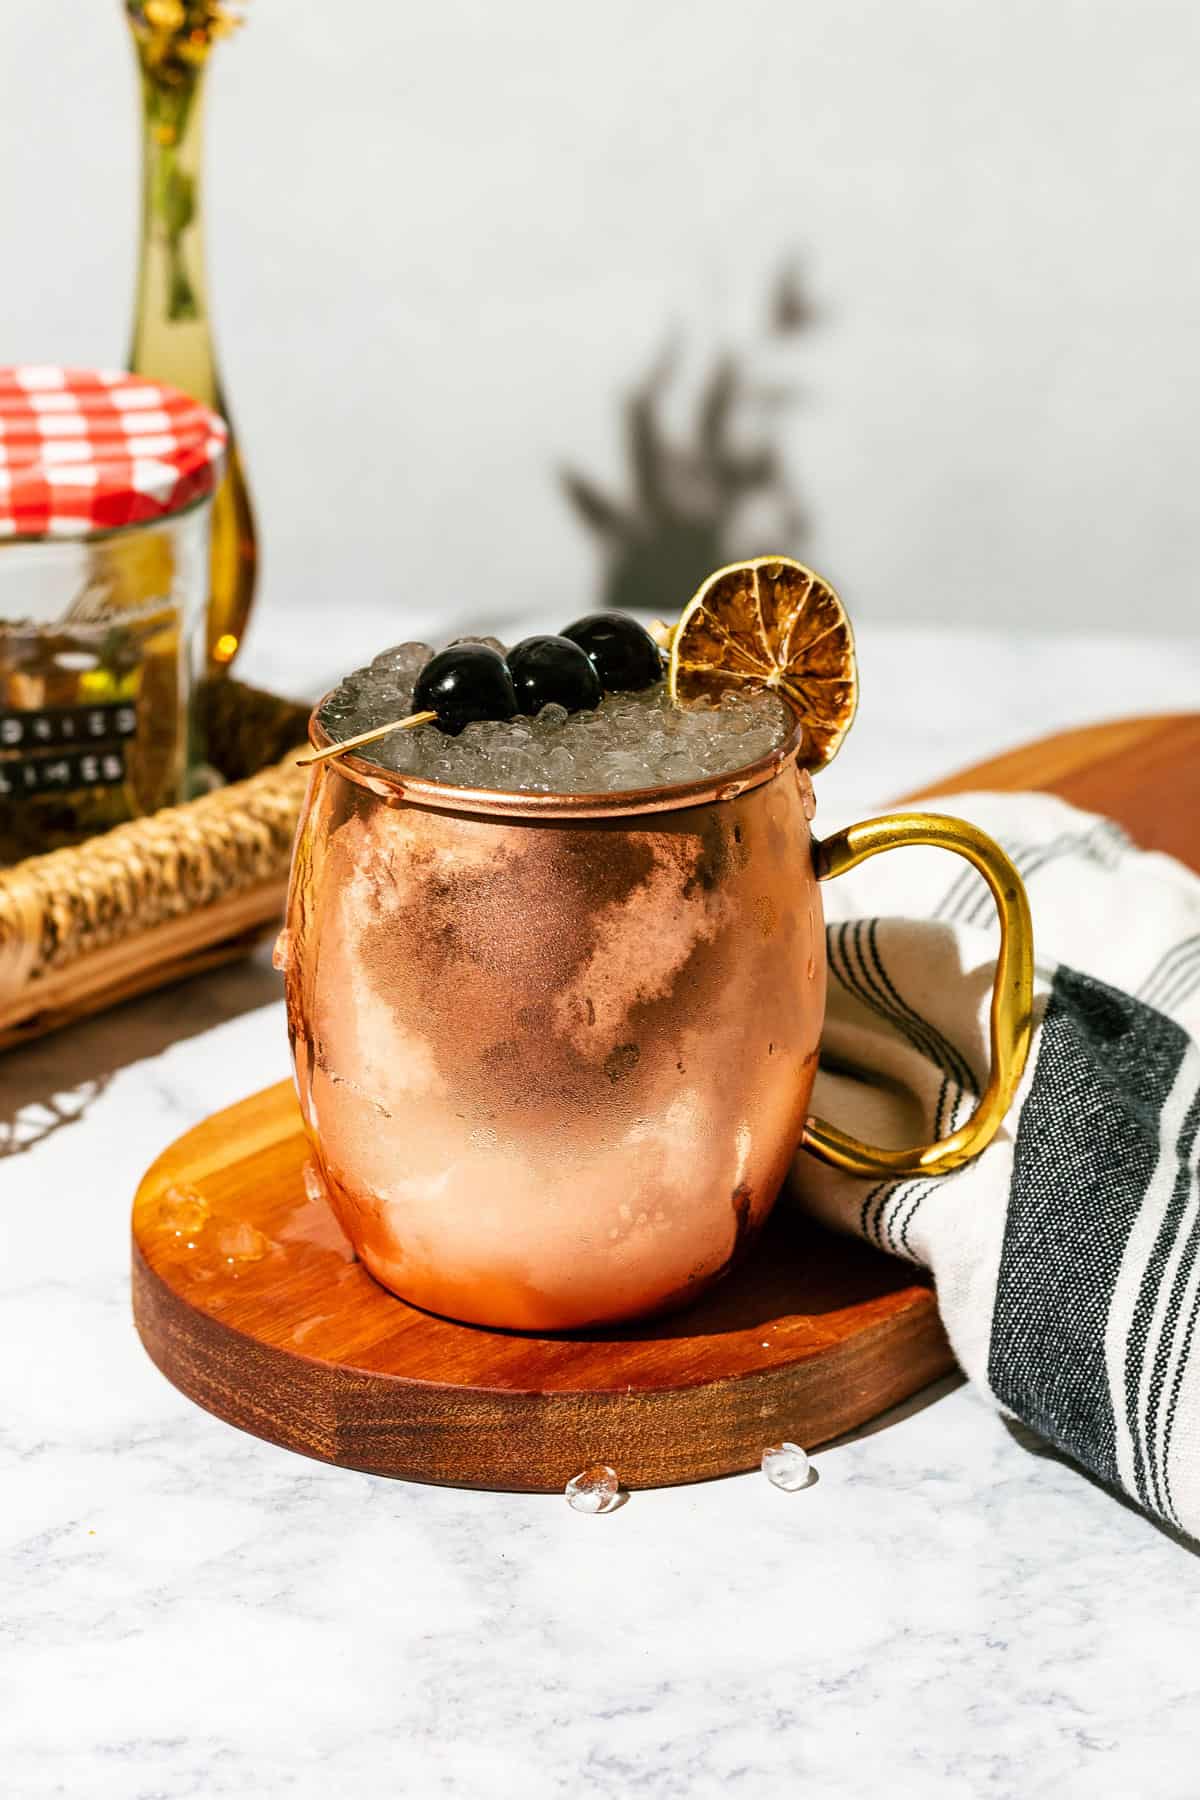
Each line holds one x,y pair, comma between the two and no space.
594,1490
786,1466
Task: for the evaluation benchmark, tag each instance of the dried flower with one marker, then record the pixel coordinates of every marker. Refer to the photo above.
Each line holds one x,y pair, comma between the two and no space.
174,37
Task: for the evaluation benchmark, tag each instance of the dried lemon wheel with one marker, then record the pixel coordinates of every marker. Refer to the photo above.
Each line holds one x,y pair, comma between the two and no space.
771,623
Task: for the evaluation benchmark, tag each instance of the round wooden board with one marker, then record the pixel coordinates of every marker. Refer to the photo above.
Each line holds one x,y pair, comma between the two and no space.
247,1297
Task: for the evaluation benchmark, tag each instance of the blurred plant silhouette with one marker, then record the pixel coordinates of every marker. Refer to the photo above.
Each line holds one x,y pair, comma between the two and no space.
691,497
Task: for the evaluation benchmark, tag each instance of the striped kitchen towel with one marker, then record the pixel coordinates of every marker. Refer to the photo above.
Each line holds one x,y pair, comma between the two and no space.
1067,1257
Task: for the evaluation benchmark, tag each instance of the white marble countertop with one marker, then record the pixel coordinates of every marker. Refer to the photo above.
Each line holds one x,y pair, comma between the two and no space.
184,1610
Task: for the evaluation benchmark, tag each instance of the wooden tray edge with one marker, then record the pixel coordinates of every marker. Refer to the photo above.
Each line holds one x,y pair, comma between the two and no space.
523,1441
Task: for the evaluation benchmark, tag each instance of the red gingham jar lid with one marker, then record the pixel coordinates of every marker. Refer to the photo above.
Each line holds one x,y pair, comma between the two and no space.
88,450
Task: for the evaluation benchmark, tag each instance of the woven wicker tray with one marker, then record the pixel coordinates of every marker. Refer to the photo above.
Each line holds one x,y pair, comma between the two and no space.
163,897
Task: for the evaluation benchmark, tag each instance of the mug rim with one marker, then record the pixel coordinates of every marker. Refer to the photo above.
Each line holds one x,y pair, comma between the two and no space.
442,796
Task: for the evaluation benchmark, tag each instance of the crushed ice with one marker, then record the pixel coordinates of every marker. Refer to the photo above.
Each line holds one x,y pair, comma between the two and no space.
630,741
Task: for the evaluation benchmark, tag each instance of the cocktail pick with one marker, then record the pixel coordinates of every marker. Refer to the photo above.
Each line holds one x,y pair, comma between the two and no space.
365,737
465,682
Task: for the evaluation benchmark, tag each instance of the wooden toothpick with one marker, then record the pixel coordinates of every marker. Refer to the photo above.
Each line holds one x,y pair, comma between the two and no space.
365,737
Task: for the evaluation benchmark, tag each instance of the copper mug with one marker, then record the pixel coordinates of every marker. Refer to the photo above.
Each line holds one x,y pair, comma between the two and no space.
554,1053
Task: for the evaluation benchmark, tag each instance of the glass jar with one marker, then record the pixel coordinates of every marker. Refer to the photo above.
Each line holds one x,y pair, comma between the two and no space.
105,499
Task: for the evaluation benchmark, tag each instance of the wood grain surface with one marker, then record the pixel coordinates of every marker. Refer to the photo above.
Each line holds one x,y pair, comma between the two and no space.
247,1296
1144,773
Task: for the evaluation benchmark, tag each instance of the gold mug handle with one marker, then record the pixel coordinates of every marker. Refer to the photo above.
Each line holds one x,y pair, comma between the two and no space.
1012,991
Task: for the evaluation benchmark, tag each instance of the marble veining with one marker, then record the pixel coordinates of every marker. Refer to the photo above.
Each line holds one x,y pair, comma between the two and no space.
946,1611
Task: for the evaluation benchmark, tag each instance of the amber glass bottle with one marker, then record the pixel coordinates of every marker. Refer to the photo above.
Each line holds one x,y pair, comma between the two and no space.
172,333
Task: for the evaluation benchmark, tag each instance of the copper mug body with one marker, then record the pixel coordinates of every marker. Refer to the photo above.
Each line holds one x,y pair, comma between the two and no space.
554,1054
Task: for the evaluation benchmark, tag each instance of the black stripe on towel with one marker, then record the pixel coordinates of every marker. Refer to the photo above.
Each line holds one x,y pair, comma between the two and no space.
1101,844
1142,1428
1170,966
1087,1146
1185,1175
1185,1353
948,1057
872,986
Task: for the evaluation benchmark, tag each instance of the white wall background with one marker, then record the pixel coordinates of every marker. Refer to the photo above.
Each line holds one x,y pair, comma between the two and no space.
444,239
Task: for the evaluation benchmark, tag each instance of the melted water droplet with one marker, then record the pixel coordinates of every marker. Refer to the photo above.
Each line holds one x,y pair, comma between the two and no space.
313,1220
281,955
305,1330
243,1243
184,1211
